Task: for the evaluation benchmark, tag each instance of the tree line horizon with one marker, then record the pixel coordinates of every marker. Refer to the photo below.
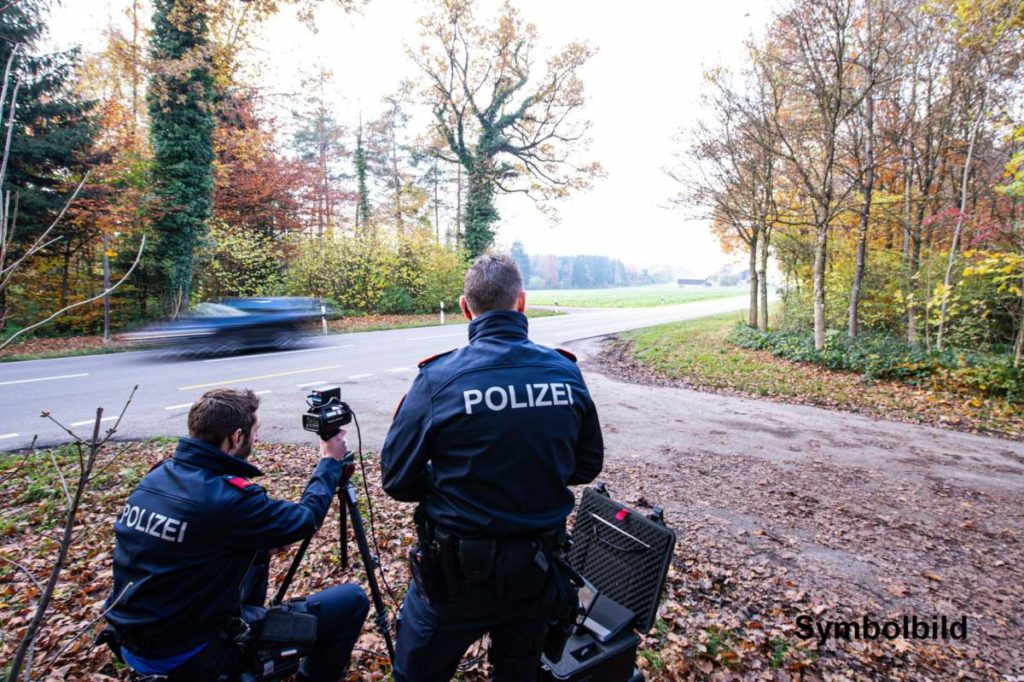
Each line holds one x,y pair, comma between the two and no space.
875,150
872,148
174,141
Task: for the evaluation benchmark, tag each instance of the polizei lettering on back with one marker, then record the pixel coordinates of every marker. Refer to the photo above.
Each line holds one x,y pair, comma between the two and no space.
152,523
498,398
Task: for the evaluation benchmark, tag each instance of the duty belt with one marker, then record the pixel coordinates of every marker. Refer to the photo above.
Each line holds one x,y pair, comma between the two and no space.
476,560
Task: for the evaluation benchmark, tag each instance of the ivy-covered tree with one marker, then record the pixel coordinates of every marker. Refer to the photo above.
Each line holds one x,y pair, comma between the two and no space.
181,97
513,129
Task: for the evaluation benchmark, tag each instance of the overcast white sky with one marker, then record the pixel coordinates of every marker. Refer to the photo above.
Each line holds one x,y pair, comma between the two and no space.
642,87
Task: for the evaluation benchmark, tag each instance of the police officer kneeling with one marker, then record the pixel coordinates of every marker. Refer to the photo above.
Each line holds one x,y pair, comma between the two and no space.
192,553
487,440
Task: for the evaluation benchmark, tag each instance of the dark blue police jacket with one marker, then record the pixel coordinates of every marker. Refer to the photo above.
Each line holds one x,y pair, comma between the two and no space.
186,538
489,436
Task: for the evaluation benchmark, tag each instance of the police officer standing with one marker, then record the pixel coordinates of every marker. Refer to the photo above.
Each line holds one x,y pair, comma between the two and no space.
487,441
193,541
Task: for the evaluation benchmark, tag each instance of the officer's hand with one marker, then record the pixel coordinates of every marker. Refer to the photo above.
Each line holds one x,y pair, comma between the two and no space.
335,448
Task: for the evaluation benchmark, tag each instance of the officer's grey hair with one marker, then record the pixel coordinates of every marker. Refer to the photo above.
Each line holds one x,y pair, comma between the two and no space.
493,282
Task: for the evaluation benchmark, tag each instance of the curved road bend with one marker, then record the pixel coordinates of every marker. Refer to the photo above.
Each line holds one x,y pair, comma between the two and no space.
373,369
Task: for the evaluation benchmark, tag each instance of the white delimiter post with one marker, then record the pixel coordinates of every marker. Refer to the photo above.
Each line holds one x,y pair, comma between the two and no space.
323,318
442,312
106,289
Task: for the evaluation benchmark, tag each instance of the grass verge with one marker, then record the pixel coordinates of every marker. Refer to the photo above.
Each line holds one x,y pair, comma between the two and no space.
697,354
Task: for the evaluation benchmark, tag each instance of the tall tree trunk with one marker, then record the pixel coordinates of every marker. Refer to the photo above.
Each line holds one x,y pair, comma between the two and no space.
820,251
65,273
913,288
437,206
959,222
853,324
752,308
1018,347
762,278
396,180
458,208
481,213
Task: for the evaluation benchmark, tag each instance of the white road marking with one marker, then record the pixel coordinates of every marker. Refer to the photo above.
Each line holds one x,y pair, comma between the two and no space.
242,380
359,376
5,436
310,383
92,421
178,407
28,381
262,392
279,352
400,369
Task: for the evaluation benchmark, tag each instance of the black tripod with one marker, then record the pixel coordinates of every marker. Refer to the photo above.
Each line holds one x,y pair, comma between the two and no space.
347,499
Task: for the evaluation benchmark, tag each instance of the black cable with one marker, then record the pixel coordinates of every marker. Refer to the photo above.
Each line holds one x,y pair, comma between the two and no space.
465,664
372,514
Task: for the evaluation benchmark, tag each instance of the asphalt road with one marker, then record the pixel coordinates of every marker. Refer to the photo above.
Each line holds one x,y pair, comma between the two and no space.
373,369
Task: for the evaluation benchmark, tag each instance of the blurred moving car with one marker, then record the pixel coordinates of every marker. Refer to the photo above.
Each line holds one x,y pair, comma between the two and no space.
234,325
277,305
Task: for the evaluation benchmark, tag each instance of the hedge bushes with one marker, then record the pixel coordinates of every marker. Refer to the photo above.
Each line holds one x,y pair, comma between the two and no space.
390,275
886,358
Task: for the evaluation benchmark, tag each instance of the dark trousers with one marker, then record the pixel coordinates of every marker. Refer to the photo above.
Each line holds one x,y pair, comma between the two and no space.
432,639
340,612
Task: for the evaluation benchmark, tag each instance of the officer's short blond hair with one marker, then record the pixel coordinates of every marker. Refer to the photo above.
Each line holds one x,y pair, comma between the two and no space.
493,282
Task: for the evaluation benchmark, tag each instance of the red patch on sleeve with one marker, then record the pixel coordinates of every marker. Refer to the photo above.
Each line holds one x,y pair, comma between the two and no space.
621,516
566,353
239,482
428,359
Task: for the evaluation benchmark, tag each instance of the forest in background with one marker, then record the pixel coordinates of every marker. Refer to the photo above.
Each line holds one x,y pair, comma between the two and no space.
874,149
240,190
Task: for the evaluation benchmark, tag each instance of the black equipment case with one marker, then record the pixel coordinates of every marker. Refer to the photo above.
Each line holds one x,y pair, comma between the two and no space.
625,554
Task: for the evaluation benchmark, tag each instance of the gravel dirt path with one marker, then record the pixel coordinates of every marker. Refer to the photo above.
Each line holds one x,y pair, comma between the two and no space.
785,510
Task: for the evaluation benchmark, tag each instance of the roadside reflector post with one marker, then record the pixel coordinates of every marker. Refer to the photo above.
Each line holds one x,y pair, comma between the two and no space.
442,312
323,318
106,289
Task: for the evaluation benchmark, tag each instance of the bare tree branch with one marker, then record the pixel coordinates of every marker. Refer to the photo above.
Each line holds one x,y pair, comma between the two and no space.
85,628
63,310
60,477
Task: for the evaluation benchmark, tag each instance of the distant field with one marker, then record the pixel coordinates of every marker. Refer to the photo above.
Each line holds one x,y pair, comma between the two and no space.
629,297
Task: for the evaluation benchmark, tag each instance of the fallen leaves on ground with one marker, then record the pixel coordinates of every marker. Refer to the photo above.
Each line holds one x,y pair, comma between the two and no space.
759,543
60,345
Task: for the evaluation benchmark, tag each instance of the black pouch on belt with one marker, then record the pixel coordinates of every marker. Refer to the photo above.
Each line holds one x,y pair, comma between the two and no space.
522,570
427,572
476,558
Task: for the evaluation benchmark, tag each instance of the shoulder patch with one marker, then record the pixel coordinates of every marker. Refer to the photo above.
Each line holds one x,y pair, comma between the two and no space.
566,354
241,483
427,360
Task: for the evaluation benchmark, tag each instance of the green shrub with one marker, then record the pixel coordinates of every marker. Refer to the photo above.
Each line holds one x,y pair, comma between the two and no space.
395,301
885,358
